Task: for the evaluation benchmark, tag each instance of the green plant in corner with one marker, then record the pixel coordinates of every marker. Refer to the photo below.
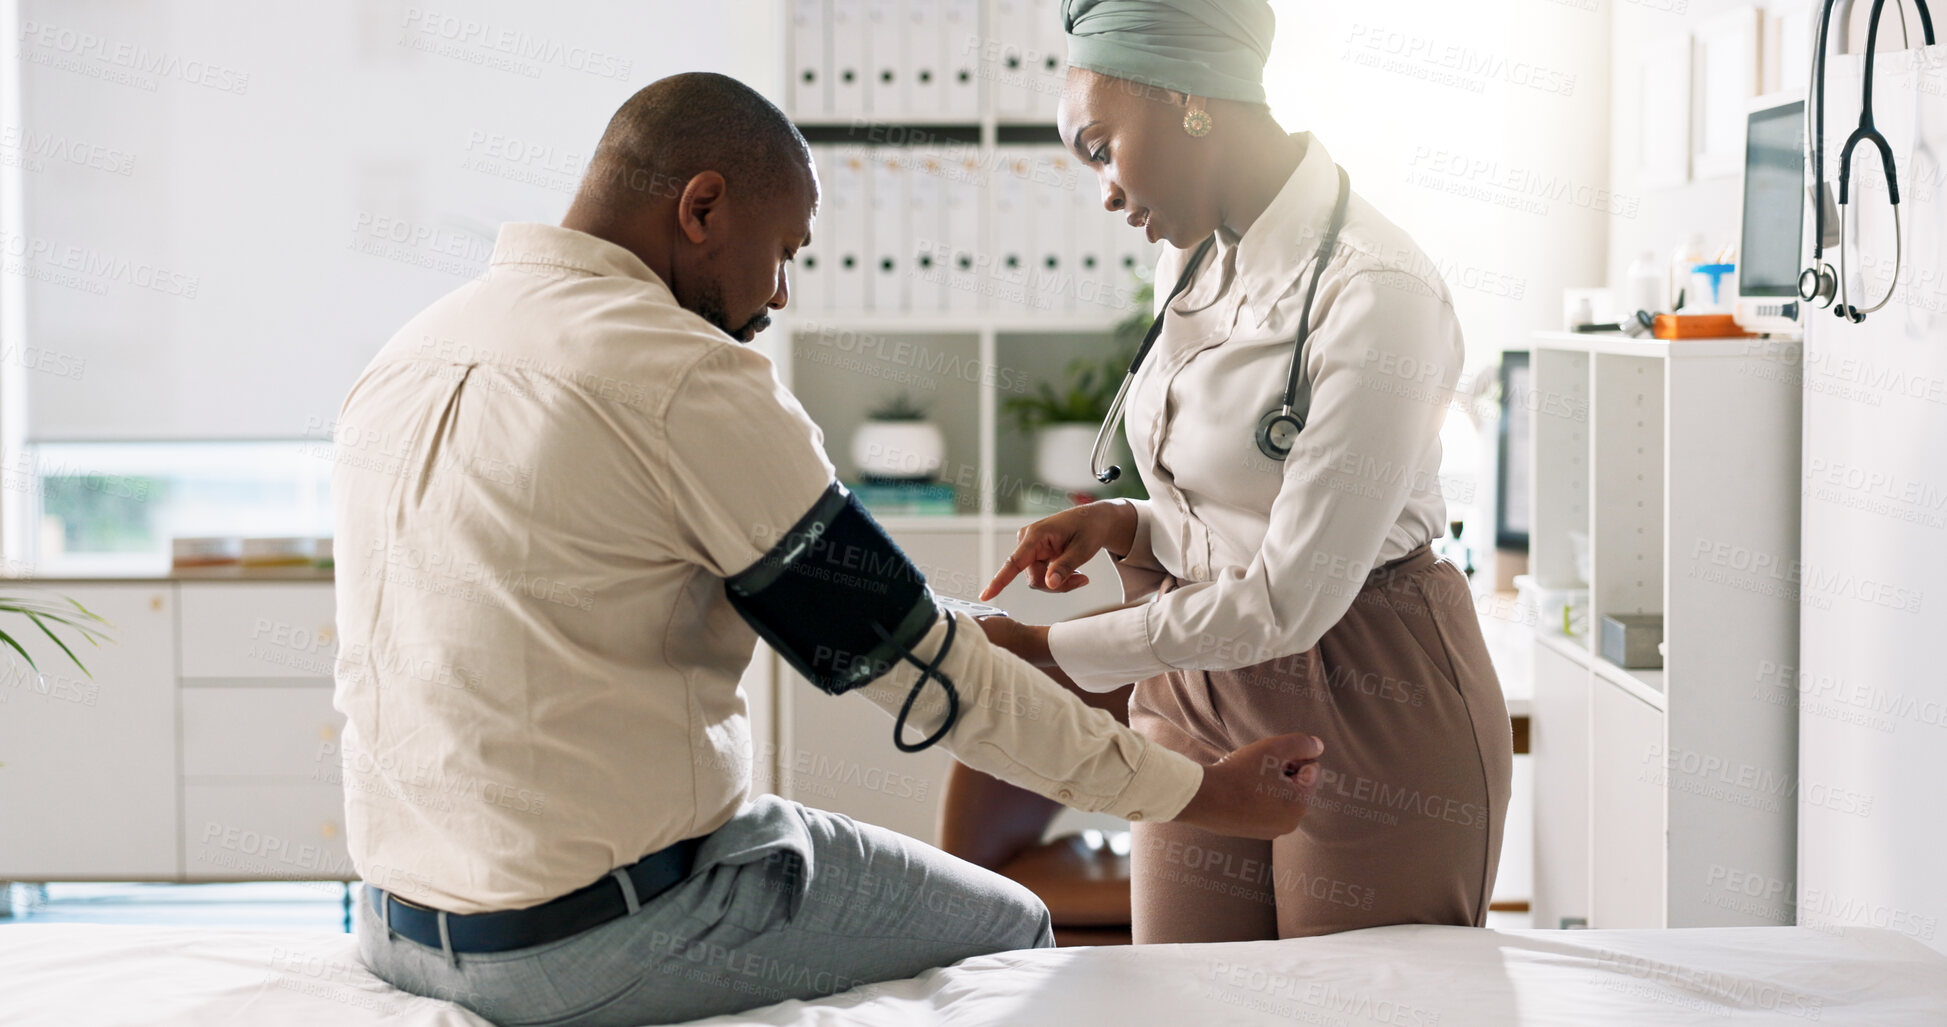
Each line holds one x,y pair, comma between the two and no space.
60,611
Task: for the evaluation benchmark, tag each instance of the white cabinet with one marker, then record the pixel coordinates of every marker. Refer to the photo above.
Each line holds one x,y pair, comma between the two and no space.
202,747
1679,462
1558,739
1626,833
257,630
87,761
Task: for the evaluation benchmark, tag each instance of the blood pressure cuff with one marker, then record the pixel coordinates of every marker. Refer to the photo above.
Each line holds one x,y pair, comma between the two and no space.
839,600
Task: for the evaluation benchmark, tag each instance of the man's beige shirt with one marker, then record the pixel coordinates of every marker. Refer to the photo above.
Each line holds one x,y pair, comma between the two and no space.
541,482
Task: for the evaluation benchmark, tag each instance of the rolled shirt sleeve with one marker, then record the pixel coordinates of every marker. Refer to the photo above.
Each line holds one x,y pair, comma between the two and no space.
1343,488
746,463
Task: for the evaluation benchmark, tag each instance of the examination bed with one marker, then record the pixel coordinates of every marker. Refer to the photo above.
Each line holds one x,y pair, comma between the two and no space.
79,975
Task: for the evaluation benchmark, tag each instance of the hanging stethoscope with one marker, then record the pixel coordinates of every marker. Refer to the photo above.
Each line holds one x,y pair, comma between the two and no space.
1820,284
1278,429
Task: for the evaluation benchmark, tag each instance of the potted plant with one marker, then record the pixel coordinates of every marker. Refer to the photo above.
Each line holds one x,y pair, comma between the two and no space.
1064,423
897,443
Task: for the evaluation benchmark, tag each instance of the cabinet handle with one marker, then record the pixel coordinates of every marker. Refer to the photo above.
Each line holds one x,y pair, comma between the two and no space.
329,829
327,634
155,603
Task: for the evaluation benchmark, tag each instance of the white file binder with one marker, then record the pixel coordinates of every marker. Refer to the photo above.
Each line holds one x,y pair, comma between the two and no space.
810,57
925,89
886,242
927,254
1100,293
844,210
809,285
1010,214
1051,284
1048,59
1010,34
885,54
959,61
848,59
966,194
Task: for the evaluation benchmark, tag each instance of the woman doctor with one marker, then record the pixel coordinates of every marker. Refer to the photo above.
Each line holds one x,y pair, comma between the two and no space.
1289,582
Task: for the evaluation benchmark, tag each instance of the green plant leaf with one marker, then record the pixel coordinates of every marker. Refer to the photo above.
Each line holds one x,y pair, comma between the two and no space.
64,646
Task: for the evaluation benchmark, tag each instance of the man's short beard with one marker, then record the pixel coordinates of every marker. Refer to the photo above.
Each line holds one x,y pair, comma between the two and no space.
709,307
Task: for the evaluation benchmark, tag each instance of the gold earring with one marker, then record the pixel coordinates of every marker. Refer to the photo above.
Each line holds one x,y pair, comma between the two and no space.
1197,123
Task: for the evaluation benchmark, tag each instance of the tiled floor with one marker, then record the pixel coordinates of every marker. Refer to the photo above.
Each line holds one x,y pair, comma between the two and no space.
297,905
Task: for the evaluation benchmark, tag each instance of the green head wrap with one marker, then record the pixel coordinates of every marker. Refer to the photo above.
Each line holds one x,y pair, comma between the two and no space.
1214,48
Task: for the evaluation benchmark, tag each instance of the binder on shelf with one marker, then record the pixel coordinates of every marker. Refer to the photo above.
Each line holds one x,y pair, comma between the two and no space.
885,52
1048,59
926,253
1101,293
810,57
1050,276
848,58
810,292
1134,258
1010,34
845,212
959,60
887,237
1009,213
925,90
966,193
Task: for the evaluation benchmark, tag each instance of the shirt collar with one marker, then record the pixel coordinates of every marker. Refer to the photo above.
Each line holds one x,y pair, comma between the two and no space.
529,243
1283,239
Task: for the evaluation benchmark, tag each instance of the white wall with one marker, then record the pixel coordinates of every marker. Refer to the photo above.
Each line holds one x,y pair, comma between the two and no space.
1479,128
1871,693
252,161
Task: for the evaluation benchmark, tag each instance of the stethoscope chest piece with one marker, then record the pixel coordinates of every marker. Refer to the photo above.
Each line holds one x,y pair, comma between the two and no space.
1277,432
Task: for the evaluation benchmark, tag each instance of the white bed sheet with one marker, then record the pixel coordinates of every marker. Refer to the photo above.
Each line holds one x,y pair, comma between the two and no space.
75,975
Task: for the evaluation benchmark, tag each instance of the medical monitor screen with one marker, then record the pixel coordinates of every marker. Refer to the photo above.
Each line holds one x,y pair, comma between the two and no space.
1774,194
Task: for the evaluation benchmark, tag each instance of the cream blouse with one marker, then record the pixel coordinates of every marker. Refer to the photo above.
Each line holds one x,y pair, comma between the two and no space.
1272,554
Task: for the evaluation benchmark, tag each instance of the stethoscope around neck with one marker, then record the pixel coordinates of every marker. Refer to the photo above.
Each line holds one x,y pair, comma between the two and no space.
1277,430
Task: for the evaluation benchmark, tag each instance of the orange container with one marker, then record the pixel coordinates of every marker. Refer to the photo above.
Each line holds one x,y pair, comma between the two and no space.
1697,326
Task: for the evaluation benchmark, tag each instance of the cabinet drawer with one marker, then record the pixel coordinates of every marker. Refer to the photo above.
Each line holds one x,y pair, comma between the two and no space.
251,832
287,731
261,630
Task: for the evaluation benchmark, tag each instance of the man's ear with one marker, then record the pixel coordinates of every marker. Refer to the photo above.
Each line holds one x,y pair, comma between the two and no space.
702,197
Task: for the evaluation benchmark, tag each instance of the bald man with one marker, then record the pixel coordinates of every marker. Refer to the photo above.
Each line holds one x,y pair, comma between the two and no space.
545,483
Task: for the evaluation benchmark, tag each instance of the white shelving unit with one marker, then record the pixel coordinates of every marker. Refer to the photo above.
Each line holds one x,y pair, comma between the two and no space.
1660,788
828,753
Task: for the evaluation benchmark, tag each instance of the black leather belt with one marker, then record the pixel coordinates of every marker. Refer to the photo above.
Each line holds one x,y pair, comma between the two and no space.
552,920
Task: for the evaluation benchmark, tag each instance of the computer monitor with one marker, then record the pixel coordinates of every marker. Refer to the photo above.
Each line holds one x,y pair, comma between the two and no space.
1770,245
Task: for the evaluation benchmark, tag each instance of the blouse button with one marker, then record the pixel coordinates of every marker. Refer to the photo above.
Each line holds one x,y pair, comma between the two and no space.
1135,815
1064,795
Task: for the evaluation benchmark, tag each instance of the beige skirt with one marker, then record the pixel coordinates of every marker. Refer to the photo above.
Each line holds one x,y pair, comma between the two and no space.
1413,793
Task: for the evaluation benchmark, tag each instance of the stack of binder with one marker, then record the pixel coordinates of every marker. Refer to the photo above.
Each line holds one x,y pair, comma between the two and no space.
900,231
931,59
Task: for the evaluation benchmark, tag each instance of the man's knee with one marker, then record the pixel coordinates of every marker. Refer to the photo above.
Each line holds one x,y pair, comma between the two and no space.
1026,923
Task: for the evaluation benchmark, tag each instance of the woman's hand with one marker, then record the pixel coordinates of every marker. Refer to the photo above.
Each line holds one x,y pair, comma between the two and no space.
1028,641
1051,548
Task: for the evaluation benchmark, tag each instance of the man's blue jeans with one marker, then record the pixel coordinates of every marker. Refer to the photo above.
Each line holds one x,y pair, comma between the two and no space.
783,902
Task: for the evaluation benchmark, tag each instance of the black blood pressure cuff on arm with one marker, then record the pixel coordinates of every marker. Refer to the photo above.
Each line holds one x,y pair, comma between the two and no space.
841,603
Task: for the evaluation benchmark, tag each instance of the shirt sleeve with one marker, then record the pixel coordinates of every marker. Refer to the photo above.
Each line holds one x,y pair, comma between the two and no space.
1017,724
747,464
745,460
1345,483
1139,570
